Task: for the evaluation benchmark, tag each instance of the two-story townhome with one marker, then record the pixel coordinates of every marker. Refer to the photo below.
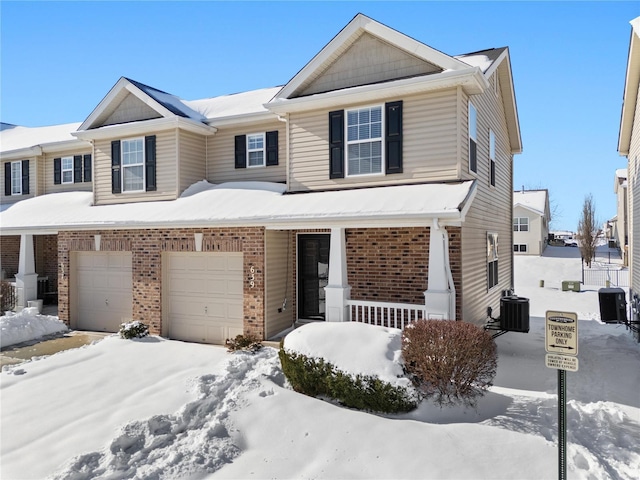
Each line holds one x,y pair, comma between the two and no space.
375,185
38,161
629,146
531,218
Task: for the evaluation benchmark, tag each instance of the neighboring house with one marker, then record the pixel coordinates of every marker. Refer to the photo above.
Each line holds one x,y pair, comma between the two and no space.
374,185
531,218
629,146
619,224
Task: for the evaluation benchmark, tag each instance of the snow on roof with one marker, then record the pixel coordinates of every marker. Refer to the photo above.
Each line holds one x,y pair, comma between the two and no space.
621,173
244,203
170,102
482,59
532,199
234,105
18,137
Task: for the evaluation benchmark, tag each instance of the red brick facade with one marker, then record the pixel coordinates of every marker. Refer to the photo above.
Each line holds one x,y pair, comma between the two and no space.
9,255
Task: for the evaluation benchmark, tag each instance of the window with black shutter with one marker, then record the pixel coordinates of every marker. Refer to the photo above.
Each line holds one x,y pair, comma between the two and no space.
336,144
256,150
86,164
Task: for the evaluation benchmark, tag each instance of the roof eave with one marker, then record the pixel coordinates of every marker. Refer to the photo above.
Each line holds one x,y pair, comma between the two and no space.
145,126
630,94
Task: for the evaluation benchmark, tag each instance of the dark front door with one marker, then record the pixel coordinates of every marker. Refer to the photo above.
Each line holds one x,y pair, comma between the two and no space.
313,275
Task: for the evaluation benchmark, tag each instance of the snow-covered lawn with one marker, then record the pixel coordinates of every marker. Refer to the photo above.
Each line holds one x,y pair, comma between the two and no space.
155,408
27,325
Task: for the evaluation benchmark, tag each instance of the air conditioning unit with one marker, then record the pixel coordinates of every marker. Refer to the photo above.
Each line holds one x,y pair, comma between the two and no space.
613,305
514,314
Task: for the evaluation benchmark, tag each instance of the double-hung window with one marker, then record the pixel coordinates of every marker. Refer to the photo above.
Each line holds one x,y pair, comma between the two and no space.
492,158
521,224
492,260
473,139
133,165
364,141
255,150
67,169
520,247
16,178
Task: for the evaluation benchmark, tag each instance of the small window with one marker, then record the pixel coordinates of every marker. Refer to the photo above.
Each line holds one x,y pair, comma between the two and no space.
16,178
522,248
67,169
492,259
364,141
492,158
520,224
473,139
255,150
133,165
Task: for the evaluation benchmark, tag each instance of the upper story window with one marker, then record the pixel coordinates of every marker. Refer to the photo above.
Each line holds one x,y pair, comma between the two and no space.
521,224
133,165
492,158
16,178
256,150
492,259
67,169
364,141
473,139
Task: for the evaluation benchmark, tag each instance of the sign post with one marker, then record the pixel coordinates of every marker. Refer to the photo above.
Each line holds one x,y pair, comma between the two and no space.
561,344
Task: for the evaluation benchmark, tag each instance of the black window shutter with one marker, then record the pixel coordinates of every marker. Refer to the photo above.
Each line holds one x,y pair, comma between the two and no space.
272,148
116,183
241,151
394,136
336,144
25,177
77,168
7,179
473,155
86,164
150,162
57,171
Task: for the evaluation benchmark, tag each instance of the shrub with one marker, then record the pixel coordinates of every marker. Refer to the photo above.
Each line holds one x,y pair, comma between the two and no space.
453,361
246,343
135,329
316,377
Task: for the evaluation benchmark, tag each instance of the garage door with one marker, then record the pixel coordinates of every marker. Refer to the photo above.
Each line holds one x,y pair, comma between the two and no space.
203,295
102,289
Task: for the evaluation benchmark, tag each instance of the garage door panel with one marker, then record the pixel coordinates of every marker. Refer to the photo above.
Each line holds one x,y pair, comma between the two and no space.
204,293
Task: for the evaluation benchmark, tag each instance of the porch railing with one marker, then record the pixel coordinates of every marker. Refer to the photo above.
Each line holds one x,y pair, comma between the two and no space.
7,296
394,315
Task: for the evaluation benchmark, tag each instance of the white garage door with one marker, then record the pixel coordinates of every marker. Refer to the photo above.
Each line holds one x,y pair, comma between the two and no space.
203,295
102,289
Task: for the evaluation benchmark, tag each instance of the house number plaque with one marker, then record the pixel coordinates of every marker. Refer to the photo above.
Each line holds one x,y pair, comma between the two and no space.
252,277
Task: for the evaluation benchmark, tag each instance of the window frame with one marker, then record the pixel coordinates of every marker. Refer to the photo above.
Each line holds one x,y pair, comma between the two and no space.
263,149
16,178
518,224
492,158
472,125
124,167
63,170
493,279
370,140
518,248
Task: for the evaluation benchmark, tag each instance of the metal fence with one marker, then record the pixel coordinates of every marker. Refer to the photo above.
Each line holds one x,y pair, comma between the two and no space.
615,278
7,296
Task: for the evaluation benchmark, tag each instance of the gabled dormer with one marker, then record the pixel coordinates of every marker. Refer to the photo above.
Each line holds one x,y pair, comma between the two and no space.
148,144
377,107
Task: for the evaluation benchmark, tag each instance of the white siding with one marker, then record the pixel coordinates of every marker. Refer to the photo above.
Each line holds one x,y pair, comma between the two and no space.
192,151
131,109
279,283
532,238
221,155
33,181
47,181
166,178
634,200
430,150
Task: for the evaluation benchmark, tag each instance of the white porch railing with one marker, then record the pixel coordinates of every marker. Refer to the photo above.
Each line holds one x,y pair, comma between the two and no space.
394,315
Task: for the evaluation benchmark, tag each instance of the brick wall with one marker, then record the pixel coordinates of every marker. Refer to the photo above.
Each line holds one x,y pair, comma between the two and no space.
50,261
147,245
9,255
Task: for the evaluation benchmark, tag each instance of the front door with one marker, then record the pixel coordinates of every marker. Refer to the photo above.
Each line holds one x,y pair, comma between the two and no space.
313,275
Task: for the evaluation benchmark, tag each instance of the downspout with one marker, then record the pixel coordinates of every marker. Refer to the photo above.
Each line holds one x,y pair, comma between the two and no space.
285,119
447,265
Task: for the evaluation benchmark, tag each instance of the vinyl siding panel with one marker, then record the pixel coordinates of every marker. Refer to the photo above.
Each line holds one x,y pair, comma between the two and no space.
50,186
634,200
192,151
279,282
166,179
532,238
221,155
491,211
429,148
131,109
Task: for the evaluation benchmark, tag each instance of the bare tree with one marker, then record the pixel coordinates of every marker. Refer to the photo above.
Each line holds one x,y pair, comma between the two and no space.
588,230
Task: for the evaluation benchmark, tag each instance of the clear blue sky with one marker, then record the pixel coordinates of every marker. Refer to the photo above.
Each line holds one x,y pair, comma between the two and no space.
59,59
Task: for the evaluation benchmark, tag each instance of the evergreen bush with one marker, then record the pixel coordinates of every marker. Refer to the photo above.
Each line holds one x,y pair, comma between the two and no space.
454,362
135,329
246,343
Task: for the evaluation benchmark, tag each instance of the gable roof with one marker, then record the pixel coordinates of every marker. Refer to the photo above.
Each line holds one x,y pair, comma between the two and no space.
631,83
536,201
18,142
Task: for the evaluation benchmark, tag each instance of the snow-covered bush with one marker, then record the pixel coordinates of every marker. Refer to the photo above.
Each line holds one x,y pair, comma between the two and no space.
246,343
135,329
316,377
455,362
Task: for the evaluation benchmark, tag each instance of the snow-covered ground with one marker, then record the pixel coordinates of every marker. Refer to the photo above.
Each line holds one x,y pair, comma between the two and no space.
27,325
154,408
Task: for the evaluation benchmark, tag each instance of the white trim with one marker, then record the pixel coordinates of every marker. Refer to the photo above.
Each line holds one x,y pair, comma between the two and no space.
263,149
145,127
472,108
124,167
19,175
63,170
492,158
518,221
372,140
